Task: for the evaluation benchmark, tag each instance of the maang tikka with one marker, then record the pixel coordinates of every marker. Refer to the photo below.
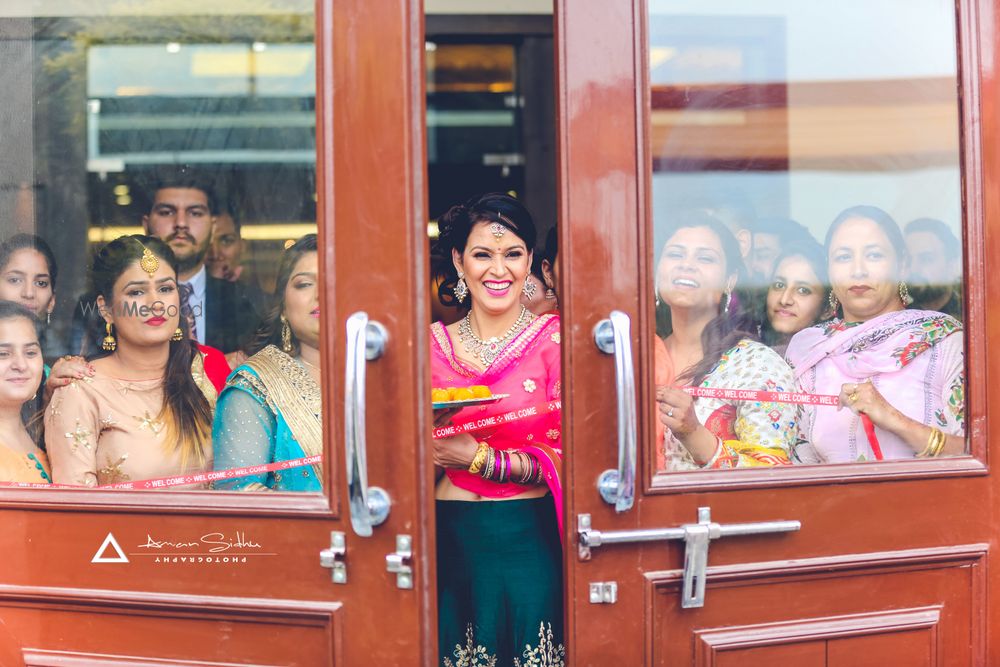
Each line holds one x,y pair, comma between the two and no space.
497,229
148,262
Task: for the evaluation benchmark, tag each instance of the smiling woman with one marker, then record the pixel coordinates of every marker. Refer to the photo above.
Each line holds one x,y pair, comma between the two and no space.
712,345
499,499
21,460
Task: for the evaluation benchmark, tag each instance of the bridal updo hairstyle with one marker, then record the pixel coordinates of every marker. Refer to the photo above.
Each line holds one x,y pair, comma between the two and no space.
455,226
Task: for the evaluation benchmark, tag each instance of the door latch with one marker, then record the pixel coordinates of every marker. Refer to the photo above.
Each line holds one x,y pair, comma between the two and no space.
696,536
399,562
603,592
333,557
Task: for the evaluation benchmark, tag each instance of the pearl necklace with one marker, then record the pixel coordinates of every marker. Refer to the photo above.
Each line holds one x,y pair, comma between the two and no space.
488,350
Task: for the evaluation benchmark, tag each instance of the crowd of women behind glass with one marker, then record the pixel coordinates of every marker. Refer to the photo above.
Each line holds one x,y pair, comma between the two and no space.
867,326
155,402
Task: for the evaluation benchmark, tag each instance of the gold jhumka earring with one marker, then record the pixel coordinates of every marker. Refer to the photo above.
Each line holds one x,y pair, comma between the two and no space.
178,334
109,343
286,336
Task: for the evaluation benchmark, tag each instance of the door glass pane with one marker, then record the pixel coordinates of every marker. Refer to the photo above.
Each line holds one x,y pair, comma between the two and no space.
806,198
158,216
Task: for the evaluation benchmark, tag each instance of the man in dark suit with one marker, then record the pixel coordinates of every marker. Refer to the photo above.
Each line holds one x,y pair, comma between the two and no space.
219,312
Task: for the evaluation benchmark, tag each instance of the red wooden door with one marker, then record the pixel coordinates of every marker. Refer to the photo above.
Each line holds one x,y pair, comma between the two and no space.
657,99
280,602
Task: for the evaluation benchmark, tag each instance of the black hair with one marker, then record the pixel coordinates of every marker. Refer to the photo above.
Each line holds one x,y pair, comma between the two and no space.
269,332
32,408
786,229
185,408
880,218
30,242
726,329
229,209
456,224
185,179
551,250
950,243
547,253
730,206
815,255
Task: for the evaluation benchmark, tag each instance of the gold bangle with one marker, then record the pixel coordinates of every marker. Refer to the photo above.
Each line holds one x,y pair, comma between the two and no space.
935,443
479,459
487,472
942,439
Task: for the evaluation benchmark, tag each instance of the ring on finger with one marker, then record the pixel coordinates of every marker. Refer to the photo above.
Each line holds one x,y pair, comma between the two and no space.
670,412
853,396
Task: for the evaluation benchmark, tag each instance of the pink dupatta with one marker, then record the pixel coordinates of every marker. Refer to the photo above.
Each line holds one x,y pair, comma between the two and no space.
529,369
915,358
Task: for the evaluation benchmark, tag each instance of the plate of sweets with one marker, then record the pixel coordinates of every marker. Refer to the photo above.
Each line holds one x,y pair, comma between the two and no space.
461,397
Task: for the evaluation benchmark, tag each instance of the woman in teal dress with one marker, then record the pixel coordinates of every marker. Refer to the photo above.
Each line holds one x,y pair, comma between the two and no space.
270,409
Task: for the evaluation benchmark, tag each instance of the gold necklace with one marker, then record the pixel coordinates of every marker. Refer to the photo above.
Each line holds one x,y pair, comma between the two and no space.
488,350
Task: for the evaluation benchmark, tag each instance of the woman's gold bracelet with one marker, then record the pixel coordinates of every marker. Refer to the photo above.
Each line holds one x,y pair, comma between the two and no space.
935,443
479,459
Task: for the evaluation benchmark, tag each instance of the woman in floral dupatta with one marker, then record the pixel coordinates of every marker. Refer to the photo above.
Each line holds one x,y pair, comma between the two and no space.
710,346
499,500
270,409
903,369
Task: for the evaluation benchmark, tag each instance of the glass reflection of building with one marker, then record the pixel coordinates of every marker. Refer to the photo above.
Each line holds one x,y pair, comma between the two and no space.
102,102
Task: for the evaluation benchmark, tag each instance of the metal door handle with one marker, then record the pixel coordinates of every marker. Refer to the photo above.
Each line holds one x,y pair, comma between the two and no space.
696,538
369,505
614,336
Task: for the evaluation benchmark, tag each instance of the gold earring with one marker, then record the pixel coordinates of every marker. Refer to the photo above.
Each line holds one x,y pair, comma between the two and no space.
109,343
178,334
834,304
286,336
904,293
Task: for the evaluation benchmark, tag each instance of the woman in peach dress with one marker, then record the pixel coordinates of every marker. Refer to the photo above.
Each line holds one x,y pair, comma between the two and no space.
147,411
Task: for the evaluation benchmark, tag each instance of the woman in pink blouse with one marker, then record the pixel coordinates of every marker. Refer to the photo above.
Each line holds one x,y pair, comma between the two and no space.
147,410
499,553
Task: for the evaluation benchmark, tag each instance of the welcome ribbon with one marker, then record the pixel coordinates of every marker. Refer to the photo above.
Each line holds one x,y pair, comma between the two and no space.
181,480
491,421
497,420
797,398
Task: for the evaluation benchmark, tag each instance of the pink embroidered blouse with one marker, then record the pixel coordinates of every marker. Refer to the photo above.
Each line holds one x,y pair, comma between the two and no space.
529,370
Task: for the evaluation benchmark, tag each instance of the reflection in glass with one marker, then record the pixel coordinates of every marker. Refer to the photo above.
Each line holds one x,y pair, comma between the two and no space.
177,136
764,123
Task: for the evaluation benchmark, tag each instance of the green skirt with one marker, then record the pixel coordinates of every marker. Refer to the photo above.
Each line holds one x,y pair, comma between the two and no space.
499,583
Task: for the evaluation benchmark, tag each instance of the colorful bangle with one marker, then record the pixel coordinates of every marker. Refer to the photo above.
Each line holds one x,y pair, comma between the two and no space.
479,459
507,468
